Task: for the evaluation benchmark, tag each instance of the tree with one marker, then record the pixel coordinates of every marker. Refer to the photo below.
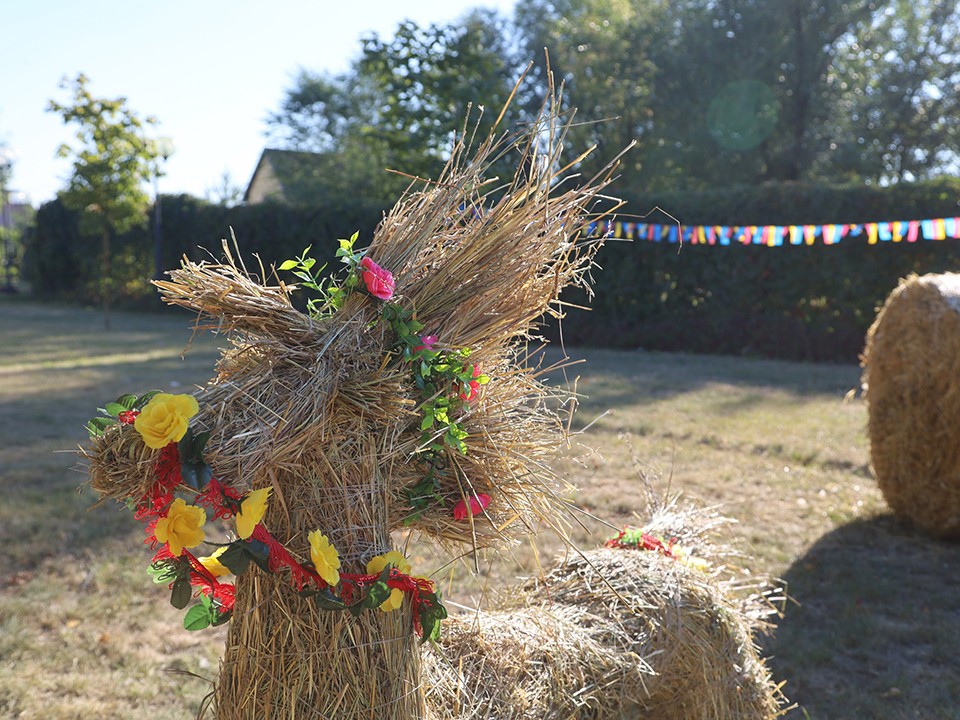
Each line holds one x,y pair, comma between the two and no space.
903,115
399,104
598,50
111,163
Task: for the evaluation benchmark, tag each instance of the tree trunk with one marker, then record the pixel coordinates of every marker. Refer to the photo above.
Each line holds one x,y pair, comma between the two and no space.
106,284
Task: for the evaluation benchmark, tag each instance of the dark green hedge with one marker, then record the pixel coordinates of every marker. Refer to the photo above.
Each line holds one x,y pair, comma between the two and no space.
63,265
798,302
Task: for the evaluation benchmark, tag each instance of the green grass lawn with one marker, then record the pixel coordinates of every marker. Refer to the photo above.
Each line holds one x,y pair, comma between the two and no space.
872,632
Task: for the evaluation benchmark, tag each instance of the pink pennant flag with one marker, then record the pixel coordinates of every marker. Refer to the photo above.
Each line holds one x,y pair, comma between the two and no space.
913,230
829,232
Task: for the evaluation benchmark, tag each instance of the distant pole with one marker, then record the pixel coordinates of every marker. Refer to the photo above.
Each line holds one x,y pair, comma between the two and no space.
164,146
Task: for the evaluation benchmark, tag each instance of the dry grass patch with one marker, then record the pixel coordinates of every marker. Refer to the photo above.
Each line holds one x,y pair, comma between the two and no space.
773,443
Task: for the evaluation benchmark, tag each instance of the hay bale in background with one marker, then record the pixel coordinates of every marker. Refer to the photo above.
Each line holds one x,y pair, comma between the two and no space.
911,379
625,634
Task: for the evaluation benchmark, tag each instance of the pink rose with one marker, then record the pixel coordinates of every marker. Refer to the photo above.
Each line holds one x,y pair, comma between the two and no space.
428,341
478,503
379,282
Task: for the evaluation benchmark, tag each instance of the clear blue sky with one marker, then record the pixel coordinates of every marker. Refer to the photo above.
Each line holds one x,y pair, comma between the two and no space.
209,70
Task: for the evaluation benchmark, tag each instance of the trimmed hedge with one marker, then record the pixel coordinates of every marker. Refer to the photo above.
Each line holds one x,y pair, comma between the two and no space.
795,302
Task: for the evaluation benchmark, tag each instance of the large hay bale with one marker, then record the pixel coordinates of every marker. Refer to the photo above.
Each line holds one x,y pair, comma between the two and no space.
625,634
911,378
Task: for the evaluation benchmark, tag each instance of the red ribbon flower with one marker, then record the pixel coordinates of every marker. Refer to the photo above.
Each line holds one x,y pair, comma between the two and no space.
474,386
478,503
379,282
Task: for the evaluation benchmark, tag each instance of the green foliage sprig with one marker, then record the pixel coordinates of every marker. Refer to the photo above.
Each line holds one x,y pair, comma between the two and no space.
112,412
445,379
332,294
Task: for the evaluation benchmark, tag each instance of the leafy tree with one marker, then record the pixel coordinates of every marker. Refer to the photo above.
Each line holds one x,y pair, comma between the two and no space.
398,105
598,50
111,162
902,114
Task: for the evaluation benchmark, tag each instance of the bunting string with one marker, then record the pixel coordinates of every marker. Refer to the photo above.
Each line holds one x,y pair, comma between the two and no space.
909,231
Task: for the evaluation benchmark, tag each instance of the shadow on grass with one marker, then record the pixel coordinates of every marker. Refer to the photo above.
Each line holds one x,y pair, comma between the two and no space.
876,631
653,376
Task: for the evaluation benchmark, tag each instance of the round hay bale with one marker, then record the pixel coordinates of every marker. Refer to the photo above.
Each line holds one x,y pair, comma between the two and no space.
626,634
911,379
533,663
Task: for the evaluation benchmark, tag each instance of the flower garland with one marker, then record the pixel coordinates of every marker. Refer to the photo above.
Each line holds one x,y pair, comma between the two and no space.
640,539
175,528
448,383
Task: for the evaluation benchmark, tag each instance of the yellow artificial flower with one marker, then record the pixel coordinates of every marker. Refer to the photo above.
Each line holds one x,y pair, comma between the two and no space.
165,418
182,527
252,510
393,602
213,564
375,566
325,557
683,555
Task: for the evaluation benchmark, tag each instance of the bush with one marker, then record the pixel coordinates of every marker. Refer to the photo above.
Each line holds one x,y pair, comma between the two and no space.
797,302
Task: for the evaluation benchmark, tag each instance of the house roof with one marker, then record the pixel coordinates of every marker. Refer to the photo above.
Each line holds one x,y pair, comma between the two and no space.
283,175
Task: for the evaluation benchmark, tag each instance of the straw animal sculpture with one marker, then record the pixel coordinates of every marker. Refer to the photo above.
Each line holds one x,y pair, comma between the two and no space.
911,378
613,633
325,411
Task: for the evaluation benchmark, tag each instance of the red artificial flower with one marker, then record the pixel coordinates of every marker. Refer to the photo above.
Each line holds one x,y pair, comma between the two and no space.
474,386
478,503
379,282
128,417
428,341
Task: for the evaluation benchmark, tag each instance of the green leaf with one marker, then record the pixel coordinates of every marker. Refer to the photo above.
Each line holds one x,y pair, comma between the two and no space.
196,475
181,593
376,595
163,573
236,558
325,599
427,421
288,264
114,409
219,618
97,425
144,399
197,618
127,400
259,553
